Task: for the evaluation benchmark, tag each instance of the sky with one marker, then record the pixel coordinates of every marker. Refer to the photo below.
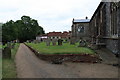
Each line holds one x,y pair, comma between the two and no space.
52,15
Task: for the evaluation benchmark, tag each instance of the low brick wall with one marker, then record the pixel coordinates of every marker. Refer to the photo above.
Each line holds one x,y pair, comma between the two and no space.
67,57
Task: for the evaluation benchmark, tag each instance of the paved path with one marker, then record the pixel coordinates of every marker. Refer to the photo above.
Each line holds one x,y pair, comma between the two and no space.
107,56
29,66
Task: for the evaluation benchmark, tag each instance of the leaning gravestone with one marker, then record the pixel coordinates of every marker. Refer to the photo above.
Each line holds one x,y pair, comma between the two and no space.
60,42
7,52
82,43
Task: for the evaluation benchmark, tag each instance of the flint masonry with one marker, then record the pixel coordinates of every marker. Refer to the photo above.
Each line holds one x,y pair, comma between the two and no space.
80,28
104,27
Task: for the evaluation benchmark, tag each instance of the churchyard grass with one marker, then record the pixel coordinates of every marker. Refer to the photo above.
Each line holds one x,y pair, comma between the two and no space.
0,46
66,48
0,61
0,66
8,66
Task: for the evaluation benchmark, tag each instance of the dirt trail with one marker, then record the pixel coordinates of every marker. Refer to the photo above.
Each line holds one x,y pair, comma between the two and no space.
29,66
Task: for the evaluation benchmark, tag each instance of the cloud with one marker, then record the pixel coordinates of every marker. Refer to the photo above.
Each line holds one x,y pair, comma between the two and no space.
52,15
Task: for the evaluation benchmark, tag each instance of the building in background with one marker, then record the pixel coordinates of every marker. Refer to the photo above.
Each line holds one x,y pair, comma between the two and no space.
80,28
59,35
54,35
103,28
42,37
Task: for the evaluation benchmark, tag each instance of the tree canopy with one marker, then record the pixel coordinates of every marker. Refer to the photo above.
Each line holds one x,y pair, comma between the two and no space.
0,32
22,30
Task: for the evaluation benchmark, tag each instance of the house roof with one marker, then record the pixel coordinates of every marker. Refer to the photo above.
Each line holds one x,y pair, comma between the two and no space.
54,34
64,34
81,20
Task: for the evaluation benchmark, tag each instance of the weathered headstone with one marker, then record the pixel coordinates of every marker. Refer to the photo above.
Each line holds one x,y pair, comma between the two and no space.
13,45
9,45
72,41
35,41
82,43
60,42
48,42
54,42
7,52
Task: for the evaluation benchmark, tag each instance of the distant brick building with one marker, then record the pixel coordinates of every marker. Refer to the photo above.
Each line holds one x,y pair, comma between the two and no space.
54,35
104,26
59,35
80,28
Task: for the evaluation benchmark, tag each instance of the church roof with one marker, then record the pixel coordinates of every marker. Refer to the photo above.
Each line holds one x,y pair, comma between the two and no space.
81,20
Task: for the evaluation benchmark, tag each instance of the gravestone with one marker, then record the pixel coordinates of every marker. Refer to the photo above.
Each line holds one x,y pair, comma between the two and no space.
7,52
35,41
82,43
9,45
60,42
72,41
13,45
54,42
48,42
27,41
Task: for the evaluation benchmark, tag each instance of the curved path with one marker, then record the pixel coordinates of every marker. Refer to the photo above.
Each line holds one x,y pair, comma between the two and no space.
29,66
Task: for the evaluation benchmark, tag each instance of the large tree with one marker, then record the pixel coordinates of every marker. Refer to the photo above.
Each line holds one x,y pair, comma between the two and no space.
24,29
1,31
8,32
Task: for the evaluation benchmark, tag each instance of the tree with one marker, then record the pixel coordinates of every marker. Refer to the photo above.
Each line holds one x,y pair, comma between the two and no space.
24,29
8,31
1,32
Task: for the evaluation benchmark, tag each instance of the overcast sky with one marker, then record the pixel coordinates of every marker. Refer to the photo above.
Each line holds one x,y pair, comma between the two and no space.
52,15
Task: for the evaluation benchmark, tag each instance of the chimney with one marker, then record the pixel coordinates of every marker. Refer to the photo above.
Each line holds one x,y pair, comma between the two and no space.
86,17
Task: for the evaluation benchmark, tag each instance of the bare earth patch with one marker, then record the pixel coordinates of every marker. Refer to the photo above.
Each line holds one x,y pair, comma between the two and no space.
29,66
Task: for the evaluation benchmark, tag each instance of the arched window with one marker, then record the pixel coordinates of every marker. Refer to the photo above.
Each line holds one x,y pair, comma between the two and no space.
81,29
114,19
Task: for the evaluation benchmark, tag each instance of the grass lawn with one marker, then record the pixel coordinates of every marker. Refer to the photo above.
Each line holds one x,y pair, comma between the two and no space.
8,66
0,61
66,48
0,67
0,46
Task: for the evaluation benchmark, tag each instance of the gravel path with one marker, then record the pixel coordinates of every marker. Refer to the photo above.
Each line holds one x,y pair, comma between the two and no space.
29,66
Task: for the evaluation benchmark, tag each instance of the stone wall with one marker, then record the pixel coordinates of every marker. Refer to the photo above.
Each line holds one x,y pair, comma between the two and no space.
105,24
112,45
76,34
119,28
112,25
